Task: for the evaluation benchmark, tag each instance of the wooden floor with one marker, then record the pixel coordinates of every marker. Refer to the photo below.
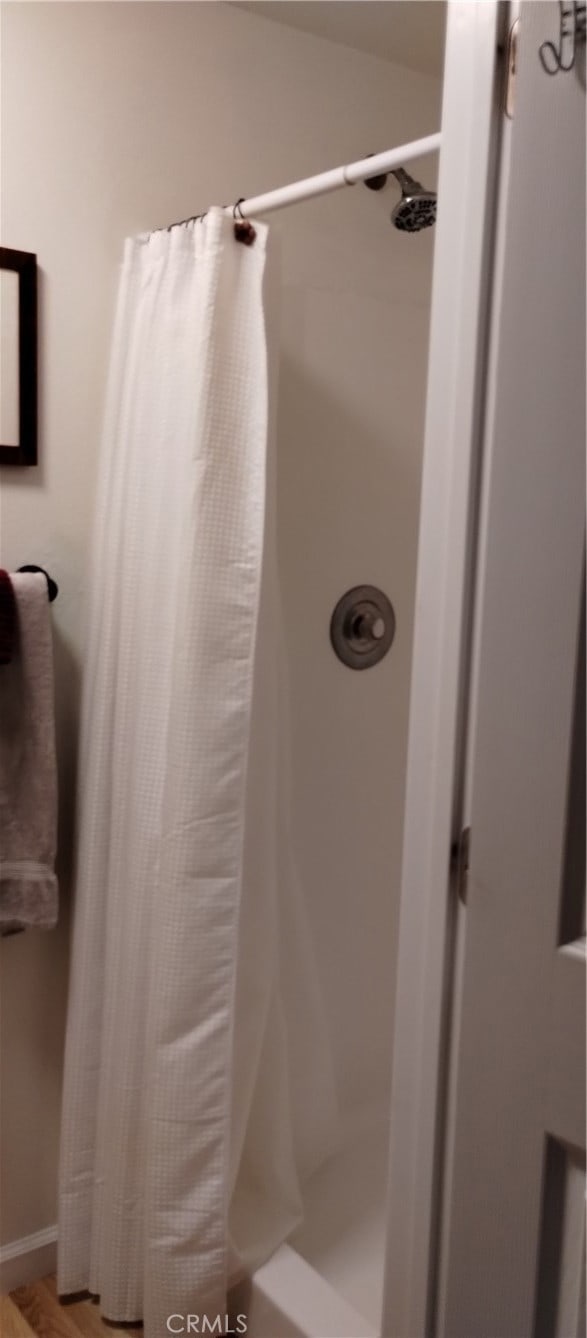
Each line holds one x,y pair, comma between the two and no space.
36,1310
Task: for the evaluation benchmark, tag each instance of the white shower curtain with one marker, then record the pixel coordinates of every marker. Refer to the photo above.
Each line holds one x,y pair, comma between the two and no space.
198,1083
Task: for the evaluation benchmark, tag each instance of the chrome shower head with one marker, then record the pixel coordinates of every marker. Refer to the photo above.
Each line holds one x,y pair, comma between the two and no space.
417,207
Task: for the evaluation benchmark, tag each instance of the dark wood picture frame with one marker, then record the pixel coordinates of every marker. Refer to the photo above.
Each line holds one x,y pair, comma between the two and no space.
25,265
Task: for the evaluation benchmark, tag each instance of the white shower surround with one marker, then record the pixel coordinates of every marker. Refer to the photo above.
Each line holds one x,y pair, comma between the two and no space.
409,1235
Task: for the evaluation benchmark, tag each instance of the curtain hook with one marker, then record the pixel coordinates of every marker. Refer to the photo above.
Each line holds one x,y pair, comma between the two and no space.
243,230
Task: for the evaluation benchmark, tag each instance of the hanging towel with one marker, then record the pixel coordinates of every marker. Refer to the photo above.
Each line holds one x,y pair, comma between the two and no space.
28,775
7,618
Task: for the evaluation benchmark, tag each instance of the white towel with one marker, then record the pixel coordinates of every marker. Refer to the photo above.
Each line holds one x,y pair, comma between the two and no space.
28,773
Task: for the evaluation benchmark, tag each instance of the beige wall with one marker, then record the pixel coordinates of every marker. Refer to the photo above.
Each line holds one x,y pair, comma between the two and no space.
118,118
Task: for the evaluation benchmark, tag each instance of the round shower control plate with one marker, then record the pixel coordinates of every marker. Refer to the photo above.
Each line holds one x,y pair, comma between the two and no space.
362,627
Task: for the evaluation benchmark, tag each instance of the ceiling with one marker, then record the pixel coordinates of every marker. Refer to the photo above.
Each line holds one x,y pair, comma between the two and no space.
410,32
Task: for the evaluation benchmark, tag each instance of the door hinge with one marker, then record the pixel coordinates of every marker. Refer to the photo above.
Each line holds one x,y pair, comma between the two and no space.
459,863
511,67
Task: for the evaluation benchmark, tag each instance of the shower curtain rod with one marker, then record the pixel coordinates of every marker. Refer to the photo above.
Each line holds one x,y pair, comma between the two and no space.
298,191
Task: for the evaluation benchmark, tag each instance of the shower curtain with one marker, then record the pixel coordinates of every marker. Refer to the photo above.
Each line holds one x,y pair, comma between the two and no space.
198,1087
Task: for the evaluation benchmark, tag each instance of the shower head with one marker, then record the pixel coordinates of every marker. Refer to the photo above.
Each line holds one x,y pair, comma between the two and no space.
417,207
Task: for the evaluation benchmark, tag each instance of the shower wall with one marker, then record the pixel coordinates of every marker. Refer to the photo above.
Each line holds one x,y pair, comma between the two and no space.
118,117
350,440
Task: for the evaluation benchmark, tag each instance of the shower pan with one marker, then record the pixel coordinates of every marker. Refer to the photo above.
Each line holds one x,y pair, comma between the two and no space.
327,1280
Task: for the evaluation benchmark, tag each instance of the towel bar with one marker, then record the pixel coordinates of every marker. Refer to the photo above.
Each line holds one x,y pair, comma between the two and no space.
52,587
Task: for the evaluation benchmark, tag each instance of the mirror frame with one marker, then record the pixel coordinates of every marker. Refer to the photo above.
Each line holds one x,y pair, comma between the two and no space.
25,265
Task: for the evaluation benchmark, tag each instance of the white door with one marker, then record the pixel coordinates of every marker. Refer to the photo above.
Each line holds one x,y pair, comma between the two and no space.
512,1239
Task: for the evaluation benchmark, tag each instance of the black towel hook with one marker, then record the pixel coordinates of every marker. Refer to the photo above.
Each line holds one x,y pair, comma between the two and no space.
52,587
572,24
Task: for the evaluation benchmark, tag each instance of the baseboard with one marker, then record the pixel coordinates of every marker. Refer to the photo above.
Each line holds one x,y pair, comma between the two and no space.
28,1259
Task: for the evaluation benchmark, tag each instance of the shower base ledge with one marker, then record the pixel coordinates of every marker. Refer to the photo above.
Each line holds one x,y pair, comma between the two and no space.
327,1282
286,1296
